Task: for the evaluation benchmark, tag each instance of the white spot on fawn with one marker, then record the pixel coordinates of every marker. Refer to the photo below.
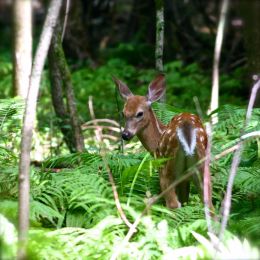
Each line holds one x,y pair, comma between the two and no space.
168,131
172,136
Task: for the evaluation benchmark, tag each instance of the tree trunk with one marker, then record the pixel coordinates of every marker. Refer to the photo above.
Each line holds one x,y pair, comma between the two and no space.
159,39
60,75
22,56
28,124
159,35
57,100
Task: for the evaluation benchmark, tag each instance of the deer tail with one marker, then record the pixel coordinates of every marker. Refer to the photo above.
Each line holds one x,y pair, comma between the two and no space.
187,137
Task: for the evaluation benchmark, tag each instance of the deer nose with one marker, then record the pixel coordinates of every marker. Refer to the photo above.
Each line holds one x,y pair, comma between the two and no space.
126,135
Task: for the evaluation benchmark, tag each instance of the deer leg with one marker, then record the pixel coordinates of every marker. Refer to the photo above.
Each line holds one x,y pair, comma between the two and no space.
183,191
197,178
166,179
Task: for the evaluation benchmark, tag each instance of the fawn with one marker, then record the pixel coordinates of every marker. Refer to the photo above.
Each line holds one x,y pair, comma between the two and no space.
183,140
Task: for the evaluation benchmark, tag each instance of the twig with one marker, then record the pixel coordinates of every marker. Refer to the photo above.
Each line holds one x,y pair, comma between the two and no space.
110,175
235,147
119,119
198,107
115,129
225,152
249,135
111,137
65,19
105,120
235,163
28,121
207,176
207,179
215,75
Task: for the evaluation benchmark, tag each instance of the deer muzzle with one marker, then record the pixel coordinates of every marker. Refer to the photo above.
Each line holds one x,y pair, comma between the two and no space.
126,135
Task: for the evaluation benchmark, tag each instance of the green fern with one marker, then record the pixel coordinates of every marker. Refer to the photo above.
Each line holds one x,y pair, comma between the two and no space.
77,198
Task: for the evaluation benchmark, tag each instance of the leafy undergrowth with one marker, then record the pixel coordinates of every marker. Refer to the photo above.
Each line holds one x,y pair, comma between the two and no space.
73,214
183,83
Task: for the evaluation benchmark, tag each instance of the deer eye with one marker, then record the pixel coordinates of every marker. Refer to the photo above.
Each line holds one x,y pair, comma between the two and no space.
140,114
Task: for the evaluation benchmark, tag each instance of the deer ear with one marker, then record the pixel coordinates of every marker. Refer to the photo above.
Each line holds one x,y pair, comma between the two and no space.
156,88
123,88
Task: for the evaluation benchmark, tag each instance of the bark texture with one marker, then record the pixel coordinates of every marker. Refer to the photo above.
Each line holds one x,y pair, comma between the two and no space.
61,86
159,35
58,101
159,42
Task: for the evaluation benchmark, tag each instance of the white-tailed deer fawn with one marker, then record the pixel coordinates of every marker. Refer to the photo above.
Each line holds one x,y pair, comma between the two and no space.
183,140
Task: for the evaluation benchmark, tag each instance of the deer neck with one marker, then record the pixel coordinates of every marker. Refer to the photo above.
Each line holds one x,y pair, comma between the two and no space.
151,134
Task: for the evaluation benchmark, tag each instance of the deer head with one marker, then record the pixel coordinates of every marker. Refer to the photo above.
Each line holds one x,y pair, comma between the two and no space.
137,109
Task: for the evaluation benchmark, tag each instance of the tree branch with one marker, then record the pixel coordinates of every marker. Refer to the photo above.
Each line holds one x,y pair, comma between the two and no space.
65,19
215,75
207,179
